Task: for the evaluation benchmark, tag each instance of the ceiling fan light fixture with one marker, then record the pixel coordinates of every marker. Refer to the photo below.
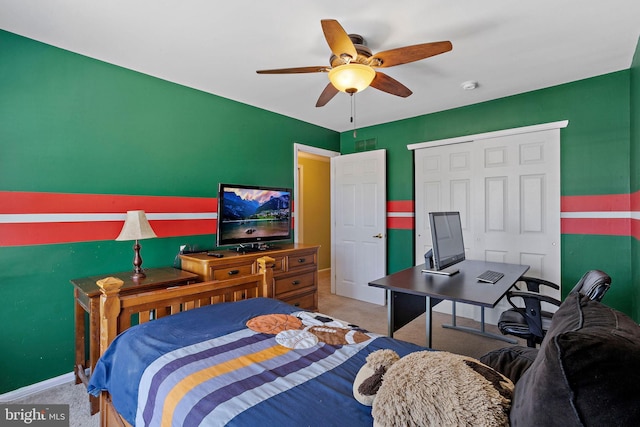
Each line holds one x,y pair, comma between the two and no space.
351,78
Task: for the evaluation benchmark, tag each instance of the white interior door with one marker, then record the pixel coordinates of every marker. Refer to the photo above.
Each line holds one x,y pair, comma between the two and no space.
507,190
359,224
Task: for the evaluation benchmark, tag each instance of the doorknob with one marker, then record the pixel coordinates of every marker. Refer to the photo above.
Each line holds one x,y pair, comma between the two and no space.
379,236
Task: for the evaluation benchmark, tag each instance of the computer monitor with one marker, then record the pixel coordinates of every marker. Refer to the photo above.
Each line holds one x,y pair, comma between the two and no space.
446,235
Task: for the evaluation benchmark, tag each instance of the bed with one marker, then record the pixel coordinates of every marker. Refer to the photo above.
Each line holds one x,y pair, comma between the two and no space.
239,359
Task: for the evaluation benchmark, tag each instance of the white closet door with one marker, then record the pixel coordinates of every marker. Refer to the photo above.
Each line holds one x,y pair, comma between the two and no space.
507,190
444,179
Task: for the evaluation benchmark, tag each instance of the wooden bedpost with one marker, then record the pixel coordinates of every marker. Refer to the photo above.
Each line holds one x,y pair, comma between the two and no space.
109,310
265,267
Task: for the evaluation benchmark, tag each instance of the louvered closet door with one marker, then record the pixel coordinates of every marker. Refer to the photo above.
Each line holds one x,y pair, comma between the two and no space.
507,190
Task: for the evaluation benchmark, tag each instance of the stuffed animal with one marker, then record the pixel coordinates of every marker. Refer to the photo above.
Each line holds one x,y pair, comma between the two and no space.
432,388
369,377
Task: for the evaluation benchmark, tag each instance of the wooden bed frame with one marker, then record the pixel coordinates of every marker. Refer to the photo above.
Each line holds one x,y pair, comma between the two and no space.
116,311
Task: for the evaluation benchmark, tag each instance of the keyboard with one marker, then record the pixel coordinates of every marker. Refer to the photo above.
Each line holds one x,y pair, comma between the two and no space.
490,276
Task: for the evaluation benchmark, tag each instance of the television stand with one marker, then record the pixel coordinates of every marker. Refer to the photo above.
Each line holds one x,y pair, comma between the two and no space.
295,272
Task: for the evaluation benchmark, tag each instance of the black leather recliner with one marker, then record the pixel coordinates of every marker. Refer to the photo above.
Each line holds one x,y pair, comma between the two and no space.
530,322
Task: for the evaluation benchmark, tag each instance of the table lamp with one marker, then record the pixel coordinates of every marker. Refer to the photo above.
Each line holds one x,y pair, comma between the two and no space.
136,227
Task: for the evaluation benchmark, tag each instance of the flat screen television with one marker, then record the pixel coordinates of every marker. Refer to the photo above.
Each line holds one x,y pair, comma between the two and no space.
446,236
251,216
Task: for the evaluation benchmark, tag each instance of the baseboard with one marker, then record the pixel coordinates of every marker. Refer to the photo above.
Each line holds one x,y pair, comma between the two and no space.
29,390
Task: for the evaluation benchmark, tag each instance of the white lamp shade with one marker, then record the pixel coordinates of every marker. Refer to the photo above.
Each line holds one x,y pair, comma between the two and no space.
136,227
351,78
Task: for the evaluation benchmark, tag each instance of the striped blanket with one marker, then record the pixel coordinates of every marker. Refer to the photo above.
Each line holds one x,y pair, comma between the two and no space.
197,370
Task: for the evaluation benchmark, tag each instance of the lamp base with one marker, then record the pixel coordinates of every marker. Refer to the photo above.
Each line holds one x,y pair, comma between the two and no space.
138,272
138,275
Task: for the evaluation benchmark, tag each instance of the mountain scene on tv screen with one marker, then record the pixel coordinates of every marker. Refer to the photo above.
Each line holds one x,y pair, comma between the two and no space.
255,214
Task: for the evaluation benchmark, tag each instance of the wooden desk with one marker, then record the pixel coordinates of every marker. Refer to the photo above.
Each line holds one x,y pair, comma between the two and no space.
87,300
411,292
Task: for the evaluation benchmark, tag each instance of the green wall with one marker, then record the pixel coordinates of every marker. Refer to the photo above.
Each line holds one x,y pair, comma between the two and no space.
76,125
595,151
635,171
70,124
77,121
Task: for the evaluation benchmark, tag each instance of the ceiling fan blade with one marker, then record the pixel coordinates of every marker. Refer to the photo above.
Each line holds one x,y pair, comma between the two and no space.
338,39
327,94
404,55
390,85
316,69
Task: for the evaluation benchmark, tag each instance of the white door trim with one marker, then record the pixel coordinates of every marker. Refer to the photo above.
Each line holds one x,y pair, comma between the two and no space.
505,132
297,148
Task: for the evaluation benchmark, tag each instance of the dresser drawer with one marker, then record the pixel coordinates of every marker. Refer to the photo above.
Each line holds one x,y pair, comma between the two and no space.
304,302
301,260
294,272
294,283
231,271
278,265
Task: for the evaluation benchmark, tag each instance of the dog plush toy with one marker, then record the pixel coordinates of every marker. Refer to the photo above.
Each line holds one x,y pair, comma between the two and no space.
432,388
369,377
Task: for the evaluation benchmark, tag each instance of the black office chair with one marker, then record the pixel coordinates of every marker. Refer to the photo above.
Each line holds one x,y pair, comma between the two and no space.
531,322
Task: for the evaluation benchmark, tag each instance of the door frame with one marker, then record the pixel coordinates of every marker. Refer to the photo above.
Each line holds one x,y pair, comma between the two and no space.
495,134
298,148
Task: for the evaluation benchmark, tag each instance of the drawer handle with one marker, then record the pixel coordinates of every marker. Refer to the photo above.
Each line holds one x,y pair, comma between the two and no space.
232,272
295,282
301,260
296,304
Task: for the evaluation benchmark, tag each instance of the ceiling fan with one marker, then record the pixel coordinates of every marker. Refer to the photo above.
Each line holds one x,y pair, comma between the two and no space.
353,67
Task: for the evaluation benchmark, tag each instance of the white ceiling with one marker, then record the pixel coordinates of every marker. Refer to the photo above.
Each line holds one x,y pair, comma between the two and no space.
508,46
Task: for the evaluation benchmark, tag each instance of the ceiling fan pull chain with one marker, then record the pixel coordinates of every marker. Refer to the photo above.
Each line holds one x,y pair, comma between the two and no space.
353,114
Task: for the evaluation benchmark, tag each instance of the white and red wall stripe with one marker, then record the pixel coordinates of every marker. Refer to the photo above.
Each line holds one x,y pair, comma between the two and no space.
36,218
30,218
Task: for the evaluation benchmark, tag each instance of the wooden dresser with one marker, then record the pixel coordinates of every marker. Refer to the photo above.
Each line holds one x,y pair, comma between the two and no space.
295,274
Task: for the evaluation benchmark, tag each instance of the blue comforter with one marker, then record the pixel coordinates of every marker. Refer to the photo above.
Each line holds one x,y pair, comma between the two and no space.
233,375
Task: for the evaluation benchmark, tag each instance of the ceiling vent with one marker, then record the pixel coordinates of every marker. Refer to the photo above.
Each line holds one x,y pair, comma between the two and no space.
366,144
